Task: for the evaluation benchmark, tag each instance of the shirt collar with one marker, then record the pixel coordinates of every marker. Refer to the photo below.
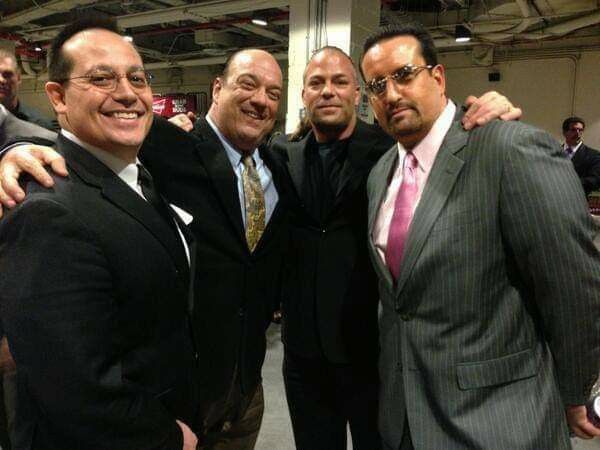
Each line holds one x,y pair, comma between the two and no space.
128,172
234,156
574,149
426,150
3,114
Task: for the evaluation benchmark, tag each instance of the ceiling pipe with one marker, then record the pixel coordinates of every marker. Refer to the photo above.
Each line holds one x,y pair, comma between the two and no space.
174,14
552,31
205,25
509,32
41,11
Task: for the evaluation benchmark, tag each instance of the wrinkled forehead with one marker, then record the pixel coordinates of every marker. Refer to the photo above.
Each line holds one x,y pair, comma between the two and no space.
93,48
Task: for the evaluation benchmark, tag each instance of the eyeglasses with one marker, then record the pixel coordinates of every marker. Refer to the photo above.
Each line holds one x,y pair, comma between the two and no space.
107,80
404,75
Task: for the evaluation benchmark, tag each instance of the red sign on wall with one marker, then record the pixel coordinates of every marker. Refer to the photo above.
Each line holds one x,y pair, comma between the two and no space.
169,105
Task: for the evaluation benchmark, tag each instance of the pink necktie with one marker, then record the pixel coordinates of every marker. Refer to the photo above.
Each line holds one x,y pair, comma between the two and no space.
403,212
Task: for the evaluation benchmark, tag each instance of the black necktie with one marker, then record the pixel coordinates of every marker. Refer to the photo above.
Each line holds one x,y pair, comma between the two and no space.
158,203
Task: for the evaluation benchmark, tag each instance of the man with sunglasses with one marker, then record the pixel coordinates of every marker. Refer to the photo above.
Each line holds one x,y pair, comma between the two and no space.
329,287
96,270
485,340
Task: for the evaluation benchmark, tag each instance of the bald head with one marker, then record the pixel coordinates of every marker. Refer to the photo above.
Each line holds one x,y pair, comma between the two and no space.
327,51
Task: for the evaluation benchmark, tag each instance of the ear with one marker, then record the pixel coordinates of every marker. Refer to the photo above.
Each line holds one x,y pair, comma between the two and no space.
216,89
303,100
439,75
357,96
18,74
56,95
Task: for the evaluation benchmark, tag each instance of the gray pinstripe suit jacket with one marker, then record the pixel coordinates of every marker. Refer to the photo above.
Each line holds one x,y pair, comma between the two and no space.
494,323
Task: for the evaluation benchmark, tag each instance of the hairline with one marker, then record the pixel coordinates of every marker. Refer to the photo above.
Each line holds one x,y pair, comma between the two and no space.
334,49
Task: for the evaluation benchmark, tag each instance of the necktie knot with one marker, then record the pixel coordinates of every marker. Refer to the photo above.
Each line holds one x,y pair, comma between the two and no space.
569,150
411,161
248,161
144,177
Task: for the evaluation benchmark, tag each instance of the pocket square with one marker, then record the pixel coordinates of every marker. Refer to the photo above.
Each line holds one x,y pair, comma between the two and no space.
185,216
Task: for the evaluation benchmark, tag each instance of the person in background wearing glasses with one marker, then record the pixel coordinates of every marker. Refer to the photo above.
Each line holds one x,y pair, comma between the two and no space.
485,340
96,270
586,160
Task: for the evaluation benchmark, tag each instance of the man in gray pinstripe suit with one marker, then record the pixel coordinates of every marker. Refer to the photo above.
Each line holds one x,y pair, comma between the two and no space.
489,281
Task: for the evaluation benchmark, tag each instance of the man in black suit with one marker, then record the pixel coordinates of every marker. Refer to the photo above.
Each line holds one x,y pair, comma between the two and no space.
329,287
238,245
586,160
101,337
239,251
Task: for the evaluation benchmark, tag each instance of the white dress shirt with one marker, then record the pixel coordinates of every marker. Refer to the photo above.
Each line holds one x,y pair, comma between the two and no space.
425,153
128,172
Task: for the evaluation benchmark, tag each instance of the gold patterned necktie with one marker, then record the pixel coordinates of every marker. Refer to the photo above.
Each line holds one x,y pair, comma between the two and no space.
254,199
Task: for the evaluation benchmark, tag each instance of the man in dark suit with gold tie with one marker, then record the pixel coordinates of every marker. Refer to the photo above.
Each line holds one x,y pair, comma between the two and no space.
488,278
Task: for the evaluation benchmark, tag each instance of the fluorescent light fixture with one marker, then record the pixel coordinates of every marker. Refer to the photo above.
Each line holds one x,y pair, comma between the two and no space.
38,49
462,33
128,38
260,21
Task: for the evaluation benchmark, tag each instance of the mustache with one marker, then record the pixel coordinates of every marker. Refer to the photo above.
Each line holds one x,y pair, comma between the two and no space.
394,108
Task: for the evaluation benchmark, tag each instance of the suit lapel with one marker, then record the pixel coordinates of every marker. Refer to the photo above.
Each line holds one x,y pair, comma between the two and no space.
93,172
443,176
382,173
363,152
217,165
296,163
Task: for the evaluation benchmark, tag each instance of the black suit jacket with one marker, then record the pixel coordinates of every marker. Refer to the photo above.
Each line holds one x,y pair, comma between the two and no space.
97,314
329,288
586,161
236,290
14,128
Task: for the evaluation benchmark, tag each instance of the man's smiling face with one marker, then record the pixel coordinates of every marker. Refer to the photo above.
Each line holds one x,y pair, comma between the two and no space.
246,98
114,120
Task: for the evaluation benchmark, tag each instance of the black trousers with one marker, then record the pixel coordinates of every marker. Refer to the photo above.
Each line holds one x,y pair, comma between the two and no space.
324,397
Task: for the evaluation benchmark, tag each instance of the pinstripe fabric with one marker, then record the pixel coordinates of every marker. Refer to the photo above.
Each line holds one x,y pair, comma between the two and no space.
495,319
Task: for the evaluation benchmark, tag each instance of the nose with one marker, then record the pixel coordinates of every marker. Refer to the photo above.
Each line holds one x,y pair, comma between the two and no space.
327,90
259,98
393,92
123,92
